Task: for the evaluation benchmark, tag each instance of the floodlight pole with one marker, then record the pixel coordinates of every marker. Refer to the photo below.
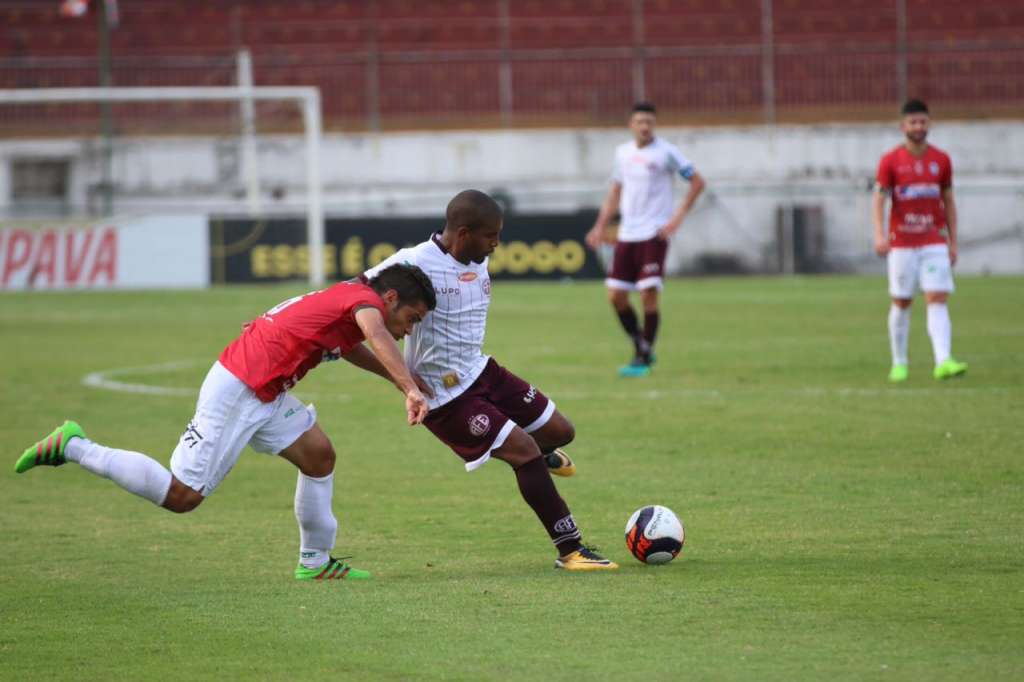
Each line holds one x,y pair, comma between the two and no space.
106,113
308,96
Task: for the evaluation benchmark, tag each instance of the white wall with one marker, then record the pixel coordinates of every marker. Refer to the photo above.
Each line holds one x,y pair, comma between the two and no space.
750,172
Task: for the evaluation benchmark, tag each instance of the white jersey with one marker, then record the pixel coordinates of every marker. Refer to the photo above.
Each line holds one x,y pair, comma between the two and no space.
646,175
446,348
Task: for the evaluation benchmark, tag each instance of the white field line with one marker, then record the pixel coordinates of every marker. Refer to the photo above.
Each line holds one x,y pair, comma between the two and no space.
105,380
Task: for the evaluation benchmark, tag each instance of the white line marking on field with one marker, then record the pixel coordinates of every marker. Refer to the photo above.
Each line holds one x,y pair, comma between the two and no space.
104,380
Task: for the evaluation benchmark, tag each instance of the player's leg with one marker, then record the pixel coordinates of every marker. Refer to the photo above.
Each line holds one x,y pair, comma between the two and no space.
520,451
901,266
550,438
534,412
309,449
476,429
135,472
652,319
937,282
650,282
620,281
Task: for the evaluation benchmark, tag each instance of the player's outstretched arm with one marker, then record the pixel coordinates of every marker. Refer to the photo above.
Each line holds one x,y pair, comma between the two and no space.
363,358
371,322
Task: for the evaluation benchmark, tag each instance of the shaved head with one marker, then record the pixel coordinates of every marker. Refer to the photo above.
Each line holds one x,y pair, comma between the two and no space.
472,209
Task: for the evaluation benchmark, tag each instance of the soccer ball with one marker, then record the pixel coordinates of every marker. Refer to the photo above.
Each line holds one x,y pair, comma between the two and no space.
654,534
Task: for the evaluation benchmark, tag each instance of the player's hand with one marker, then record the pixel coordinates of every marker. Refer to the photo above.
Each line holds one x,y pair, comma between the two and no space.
882,246
415,407
593,238
952,254
422,385
667,230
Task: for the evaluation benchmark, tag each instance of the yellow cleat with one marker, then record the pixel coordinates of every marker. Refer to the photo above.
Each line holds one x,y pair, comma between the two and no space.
559,463
585,559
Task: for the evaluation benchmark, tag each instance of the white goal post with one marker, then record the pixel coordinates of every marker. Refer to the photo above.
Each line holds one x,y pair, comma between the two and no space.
307,97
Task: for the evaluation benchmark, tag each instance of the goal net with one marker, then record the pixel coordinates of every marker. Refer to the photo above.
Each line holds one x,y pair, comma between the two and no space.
82,154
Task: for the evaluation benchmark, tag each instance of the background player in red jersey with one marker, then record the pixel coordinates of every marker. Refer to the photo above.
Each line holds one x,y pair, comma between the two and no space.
921,241
244,400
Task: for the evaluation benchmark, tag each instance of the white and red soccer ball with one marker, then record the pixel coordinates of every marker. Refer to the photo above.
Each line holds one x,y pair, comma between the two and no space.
654,534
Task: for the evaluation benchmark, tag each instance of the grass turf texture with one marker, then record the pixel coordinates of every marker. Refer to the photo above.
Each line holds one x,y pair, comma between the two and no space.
837,527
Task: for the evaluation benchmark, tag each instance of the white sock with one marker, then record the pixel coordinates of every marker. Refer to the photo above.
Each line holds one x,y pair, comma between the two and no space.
941,331
899,332
317,526
133,471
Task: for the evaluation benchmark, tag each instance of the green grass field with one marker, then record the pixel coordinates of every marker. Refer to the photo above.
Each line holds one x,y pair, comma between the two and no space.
837,528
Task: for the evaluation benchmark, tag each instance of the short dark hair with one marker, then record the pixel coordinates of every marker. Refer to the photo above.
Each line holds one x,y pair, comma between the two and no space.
411,283
645,107
473,209
914,106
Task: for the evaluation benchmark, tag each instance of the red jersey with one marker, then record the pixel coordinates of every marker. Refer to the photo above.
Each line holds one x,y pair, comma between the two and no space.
918,214
278,348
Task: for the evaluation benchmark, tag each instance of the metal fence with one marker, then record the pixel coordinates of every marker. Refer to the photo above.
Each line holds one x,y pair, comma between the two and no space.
754,83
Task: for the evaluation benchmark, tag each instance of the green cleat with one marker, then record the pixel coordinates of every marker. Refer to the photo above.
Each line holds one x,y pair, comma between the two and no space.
898,374
949,369
50,450
333,569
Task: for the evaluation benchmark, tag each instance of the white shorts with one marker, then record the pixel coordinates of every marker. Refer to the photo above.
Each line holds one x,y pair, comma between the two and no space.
924,266
228,417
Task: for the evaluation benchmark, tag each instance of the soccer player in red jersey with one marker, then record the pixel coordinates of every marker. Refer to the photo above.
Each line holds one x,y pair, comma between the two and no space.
245,400
920,244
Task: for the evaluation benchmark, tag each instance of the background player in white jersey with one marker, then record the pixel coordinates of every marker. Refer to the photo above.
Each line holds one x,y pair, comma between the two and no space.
477,407
920,244
641,191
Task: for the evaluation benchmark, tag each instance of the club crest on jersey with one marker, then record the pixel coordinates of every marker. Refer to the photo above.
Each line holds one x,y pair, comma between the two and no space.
467,277
934,167
479,424
487,286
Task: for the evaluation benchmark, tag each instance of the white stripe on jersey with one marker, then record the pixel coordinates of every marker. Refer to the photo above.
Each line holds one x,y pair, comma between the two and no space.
449,341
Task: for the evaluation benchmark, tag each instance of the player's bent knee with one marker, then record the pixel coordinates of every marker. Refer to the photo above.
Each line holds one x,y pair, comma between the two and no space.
181,499
519,449
902,302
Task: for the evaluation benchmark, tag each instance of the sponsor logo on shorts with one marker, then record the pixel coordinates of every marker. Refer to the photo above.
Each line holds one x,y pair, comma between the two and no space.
530,395
290,412
650,268
565,525
479,424
191,437
467,277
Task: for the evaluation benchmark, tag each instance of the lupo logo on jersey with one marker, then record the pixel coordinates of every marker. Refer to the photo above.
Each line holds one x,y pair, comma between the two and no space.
479,424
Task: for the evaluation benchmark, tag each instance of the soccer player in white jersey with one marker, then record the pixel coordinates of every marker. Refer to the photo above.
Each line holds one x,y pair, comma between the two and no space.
920,244
477,407
641,191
